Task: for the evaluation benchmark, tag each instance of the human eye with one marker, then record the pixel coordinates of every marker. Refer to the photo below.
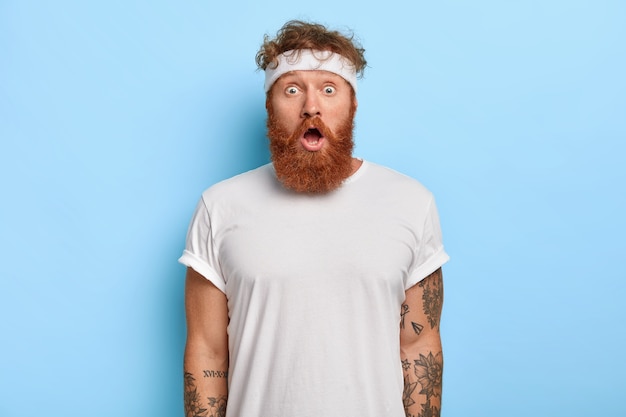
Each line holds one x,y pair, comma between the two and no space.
291,90
329,89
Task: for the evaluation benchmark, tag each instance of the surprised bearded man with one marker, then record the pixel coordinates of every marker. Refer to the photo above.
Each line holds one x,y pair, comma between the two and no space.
314,285
310,127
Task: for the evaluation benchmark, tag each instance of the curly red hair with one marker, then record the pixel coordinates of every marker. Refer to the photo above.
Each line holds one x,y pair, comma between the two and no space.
297,34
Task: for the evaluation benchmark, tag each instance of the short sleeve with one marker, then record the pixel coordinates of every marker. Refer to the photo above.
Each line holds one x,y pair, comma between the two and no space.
430,254
200,253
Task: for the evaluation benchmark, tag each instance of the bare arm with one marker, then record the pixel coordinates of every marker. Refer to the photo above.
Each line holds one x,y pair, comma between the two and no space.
206,350
420,347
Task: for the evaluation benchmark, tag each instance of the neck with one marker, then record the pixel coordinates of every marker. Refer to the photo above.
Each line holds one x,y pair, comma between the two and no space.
356,164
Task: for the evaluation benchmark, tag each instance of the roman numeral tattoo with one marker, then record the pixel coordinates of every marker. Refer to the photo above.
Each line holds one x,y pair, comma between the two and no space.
215,374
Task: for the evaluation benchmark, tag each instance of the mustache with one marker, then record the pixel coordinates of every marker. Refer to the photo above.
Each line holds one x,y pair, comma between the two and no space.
314,123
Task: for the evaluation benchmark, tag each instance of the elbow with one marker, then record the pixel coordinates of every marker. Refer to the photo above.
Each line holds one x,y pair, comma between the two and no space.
415,344
207,349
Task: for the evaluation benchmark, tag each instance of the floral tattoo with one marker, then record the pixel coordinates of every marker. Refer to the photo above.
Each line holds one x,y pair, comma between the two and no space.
429,371
432,297
216,406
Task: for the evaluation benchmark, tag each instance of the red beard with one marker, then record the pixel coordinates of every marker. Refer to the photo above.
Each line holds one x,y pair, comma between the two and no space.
311,172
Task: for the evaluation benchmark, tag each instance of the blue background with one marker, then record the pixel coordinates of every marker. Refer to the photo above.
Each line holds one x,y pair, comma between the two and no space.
114,116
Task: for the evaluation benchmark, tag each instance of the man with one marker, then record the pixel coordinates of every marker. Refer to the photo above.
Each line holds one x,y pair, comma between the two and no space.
314,283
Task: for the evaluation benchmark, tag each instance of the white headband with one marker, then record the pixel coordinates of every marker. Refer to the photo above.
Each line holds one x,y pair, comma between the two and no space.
310,60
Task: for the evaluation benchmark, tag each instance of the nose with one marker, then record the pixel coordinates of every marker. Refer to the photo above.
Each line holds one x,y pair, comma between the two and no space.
310,107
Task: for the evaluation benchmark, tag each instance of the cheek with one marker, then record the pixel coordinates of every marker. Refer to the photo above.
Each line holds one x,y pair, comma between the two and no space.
342,110
287,115
340,117
288,124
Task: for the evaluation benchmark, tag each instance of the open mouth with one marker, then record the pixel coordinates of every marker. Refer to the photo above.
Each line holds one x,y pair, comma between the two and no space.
312,136
312,140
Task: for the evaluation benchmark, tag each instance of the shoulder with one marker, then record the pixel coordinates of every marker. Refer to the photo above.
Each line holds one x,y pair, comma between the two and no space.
241,185
395,182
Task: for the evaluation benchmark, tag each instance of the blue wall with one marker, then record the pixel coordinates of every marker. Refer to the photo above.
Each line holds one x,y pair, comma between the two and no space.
114,116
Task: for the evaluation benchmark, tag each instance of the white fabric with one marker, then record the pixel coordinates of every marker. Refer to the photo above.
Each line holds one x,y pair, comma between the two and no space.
310,60
315,286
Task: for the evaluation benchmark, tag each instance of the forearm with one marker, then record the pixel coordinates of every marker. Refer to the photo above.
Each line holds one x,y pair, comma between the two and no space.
422,369
206,384
206,350
420,347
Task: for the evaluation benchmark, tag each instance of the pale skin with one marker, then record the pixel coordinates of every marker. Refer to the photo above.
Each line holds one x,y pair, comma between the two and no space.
295,96
206,350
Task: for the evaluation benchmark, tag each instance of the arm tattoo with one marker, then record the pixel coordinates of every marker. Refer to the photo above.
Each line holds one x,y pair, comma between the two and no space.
193,404
217,406
433,297
417,328
405,310
421,396
193,407
429,371
407,399
215,374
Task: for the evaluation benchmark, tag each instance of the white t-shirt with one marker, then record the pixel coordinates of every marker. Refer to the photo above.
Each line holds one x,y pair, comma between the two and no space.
315,285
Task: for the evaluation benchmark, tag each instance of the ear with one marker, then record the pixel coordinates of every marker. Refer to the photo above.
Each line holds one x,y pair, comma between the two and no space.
268,97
